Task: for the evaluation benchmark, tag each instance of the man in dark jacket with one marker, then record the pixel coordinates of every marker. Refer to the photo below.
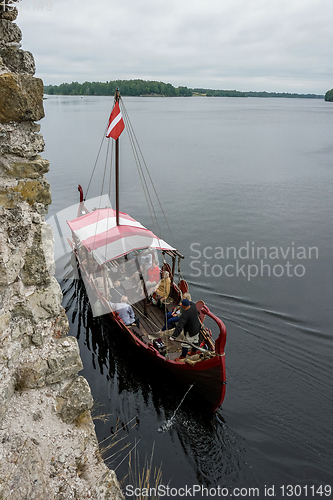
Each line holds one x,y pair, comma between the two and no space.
189,322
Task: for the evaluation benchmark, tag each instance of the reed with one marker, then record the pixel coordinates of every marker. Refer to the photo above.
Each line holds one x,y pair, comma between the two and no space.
94,413
144,477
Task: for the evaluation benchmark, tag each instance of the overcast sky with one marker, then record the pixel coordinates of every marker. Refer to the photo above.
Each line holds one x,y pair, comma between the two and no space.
273,45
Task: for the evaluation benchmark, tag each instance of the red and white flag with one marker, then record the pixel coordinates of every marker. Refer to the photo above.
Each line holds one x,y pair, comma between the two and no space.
116,123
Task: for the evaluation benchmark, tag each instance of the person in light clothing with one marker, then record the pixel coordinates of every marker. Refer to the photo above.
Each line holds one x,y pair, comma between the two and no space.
163,290
125,312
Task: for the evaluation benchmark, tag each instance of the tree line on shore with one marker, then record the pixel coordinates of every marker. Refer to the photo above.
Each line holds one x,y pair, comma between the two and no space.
127,88
148,88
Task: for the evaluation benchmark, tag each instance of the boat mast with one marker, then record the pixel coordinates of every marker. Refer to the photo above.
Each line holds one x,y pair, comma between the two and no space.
116,98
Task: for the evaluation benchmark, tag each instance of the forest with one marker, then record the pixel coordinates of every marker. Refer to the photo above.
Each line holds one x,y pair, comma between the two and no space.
154,88
127,88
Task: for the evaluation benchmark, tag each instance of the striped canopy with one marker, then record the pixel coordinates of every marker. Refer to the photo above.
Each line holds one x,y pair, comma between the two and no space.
106,241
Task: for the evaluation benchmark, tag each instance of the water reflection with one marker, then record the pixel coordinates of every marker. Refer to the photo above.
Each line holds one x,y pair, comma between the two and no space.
130,390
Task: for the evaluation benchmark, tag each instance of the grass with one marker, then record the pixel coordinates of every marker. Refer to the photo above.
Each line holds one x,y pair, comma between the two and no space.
92,414
104,448
144,477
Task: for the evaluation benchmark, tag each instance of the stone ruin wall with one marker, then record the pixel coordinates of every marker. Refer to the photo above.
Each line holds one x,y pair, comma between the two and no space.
48,445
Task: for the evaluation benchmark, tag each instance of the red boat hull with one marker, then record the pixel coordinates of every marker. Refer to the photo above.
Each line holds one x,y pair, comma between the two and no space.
208,377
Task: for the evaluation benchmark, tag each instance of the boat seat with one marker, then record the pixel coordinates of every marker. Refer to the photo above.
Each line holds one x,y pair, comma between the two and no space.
199,305
183,285
183,288
166,267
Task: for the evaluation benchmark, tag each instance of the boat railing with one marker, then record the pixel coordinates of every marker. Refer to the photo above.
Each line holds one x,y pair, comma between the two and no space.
222,338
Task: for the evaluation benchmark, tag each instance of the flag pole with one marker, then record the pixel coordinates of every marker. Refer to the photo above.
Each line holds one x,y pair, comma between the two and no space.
116,98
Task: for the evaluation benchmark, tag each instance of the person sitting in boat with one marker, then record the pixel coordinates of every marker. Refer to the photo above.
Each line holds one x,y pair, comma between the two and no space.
88,261
189,322
147,260
163,290
116,291
125,312
153,275
174,315
129,268
99,282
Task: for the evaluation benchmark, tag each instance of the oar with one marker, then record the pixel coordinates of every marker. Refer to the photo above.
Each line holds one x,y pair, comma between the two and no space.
190,344
199,305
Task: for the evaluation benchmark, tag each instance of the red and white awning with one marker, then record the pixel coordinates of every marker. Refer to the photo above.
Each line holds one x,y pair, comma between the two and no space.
98,232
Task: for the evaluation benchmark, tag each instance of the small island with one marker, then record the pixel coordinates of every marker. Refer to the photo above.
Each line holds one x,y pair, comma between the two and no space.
329,95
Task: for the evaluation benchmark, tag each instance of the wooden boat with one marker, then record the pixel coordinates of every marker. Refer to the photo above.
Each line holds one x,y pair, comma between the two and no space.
110,246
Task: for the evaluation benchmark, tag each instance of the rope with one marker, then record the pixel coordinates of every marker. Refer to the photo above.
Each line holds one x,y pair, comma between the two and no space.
140,170
99,152
141,166
153,186
137,154
100,199
142,314
135,147
107,223
138,311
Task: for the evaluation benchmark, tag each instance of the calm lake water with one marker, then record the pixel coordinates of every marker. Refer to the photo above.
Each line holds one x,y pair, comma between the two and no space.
246,185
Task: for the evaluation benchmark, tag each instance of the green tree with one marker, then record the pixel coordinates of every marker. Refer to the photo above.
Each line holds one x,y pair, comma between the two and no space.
329,95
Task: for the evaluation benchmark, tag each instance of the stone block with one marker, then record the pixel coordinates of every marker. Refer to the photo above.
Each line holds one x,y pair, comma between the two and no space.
75,399
18,61
15,226
45,303
20,139
10,269
21,98
21,327
19,226
34,191
31,374
26,169
37,338
39,262
31,191
9,32
64,361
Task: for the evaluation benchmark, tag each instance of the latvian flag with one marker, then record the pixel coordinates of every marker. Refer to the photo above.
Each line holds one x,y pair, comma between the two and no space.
116,123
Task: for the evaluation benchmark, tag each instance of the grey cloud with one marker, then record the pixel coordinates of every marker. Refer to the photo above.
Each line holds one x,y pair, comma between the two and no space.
279,45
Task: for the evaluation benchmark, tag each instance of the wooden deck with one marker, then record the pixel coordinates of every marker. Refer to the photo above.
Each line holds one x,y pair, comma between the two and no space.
155,319
151,325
